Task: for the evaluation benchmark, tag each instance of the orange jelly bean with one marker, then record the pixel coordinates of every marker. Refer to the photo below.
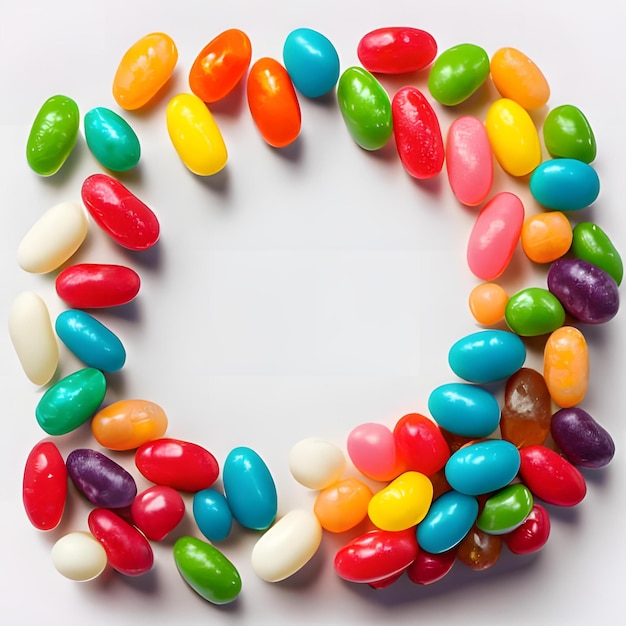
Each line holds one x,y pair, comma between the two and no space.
144,69
343,506
220,65
546,237
479,550
273,102
487,303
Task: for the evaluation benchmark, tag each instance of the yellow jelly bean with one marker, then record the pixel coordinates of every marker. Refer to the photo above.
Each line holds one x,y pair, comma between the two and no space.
195,135
546,236
566,366
513,137
403,503
487,303
343,505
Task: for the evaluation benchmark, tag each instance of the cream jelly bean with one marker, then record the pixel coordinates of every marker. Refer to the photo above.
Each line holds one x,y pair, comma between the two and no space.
316,463
79,556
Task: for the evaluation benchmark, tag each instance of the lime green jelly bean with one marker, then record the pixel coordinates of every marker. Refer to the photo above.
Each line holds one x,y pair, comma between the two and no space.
71,401
365,107
52,135
457,73
506,510
567,133
534,311
592,244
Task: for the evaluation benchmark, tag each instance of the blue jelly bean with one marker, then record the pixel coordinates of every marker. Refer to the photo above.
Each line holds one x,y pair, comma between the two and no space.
311,61
212,514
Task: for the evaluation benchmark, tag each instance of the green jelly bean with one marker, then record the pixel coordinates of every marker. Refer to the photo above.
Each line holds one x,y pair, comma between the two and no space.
506,510
567,134
206,570
365,107
534,311
592,244
457,73
71,401
52,135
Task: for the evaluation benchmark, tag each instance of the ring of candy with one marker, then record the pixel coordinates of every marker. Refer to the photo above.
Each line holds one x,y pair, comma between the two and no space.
453,486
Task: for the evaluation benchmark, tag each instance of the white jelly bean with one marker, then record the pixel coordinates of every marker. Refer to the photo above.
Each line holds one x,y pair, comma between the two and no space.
316,463
79,556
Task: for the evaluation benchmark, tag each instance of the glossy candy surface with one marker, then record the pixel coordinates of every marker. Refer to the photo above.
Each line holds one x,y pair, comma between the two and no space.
79,556
428,568
111,139
316,463
534,311
487,302
505,510
532,535
546,236
212,514
156,511
479,550
420,444
592,244
568,134
342,505
372,450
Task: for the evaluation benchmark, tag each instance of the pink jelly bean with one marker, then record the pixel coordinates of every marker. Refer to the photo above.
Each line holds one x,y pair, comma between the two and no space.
372,449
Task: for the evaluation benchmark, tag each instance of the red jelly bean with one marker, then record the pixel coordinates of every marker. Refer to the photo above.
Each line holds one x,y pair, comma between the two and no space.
122,215
532,535
157,511
421,444
178,464
44,488
428,568
127,550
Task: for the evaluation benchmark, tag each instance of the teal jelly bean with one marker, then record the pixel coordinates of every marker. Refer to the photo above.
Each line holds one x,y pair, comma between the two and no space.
487,356
71,401
457,73
483,467
212,514
365,107
568,134
564,184
464,409
448,520
111,139
534,311
311,61
90,340
506,510
53,135
592,244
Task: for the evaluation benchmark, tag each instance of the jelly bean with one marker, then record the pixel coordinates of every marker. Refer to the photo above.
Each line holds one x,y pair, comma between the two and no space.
376,555
312,62
342,505
457,73
585,291
546,237
464,409
287,546
518,78
250,489
487,303
527,409
123,216
220,65
79,556
592,244
551,477
111,139
487,356
483,467
428,568
372,450
450,518
206,570
97,285
128,424
316,463
53,135
534,311
383,583
568,134
494,235
33,338
479,550
365,108
417,133
90,340
100,479
532,535
564,184
71,401
145,67
212,514
581,439
127,550
53,238
403,503
469,160
505,510
513,137
195,135
178,464
273,102
396,50
156,511
44,486
566,366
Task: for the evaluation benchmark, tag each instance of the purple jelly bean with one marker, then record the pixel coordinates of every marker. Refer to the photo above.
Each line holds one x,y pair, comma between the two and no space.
587,292
581,439
100,479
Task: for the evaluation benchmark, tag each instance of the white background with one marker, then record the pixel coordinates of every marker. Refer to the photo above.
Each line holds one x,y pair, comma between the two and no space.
298,293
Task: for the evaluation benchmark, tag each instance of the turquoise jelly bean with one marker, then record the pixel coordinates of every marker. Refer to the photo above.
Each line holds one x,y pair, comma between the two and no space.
90,340
212,514
464,409
249,489
506,510
311,61
487,356
483,467
449,519
564,184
